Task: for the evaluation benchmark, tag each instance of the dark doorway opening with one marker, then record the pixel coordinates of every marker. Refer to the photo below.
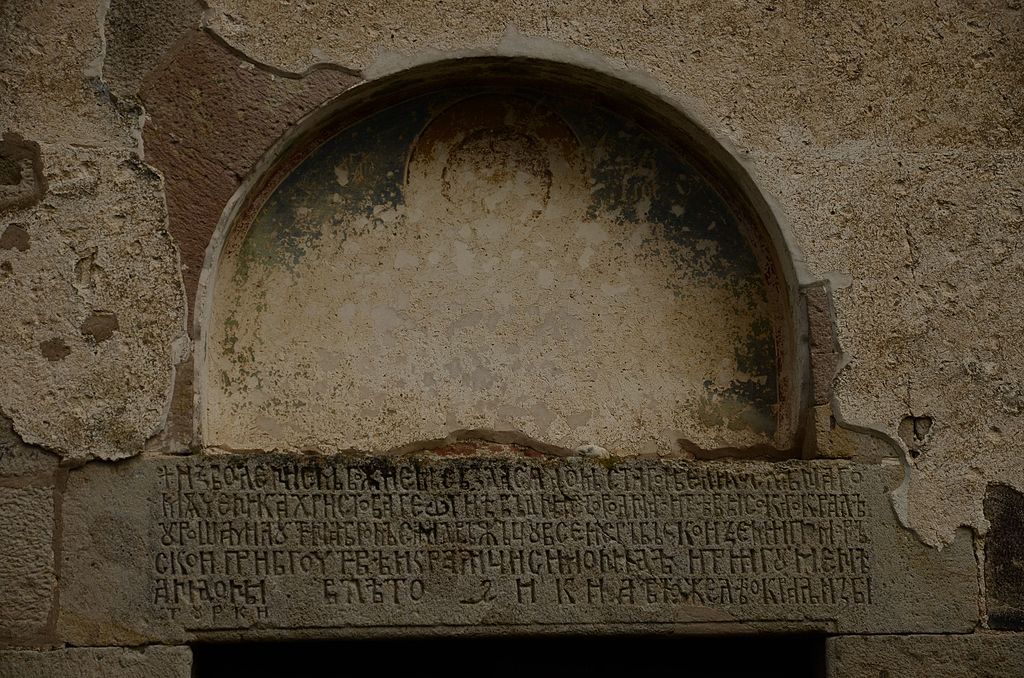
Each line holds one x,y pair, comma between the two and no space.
793,656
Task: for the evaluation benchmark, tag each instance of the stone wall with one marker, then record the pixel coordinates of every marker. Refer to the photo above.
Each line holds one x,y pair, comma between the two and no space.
885,141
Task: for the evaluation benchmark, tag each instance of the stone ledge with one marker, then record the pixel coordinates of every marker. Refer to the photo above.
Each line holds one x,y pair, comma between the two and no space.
979,655
98,662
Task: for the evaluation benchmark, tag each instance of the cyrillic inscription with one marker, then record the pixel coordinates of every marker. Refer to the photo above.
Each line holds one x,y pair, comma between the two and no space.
244,541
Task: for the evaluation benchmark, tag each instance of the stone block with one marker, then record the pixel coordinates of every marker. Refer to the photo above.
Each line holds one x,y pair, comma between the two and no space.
27,579
98,662
1004,557
979,655
209,547
206,142
822,344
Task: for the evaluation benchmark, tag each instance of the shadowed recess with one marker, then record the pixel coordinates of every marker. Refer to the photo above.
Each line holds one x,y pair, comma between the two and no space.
506,258
769,655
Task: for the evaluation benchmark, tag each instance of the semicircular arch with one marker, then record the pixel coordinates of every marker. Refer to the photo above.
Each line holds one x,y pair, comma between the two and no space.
500,244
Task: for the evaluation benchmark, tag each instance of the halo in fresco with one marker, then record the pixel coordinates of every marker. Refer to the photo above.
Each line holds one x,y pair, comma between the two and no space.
492,258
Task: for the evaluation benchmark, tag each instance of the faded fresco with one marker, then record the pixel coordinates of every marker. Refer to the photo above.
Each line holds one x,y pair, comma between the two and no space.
502,260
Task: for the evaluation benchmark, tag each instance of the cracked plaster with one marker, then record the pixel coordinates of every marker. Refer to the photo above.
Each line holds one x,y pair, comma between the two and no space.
98,248
889,136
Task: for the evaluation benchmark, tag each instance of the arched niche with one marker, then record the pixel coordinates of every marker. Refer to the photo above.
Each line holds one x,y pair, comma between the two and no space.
505,245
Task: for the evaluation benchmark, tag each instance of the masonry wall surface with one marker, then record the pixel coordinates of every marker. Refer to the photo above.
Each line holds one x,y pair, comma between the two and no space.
886,138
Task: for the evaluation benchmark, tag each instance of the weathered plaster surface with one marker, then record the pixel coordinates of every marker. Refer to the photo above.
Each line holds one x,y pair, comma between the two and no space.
91,295
138,34
888,134
537,265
